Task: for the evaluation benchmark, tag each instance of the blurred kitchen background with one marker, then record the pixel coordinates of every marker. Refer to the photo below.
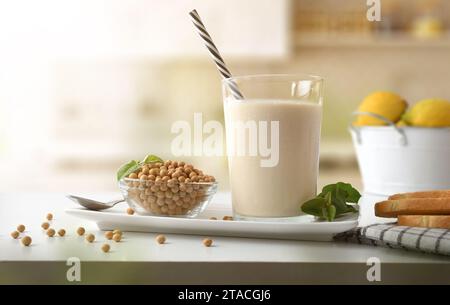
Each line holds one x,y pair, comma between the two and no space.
88,85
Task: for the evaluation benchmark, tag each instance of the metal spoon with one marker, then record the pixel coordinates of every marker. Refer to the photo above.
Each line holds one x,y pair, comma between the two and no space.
93,204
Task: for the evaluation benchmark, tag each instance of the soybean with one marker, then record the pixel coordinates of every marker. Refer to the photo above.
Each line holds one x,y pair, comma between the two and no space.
90,238
26,241
160,239
81,231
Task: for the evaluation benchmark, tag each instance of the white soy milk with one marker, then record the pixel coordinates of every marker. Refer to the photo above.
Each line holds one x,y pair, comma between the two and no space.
277,186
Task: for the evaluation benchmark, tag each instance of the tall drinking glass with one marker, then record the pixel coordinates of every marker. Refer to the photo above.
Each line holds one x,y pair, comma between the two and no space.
273,137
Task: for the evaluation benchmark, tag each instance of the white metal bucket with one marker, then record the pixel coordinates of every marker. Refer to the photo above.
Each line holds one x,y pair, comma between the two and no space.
395,160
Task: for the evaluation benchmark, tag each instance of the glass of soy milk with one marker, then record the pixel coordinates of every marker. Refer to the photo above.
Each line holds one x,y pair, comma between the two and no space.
272,133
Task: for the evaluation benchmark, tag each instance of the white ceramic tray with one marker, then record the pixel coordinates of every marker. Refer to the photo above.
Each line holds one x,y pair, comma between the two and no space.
300,228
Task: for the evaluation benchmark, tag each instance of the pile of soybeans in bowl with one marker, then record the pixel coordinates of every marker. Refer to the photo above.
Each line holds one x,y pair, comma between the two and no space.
168,188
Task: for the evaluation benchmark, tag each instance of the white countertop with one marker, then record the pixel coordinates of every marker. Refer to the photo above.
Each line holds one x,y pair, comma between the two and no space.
31,209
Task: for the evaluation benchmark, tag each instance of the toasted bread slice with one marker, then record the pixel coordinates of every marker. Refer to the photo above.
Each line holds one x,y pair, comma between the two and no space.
427,221
426,194
413,206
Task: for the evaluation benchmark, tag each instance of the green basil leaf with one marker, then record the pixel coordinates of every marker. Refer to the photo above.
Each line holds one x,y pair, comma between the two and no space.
337,197
314,206
340,200
152,159
127,169
340,205
333,201
331,212
328,198
330,188
353,195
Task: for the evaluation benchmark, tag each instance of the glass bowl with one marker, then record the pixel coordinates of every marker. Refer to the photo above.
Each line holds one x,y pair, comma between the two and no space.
159,198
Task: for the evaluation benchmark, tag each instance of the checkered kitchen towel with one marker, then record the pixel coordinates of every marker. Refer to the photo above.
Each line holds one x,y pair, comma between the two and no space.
428,240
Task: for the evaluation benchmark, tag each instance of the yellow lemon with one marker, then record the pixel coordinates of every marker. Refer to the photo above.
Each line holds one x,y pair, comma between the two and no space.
387,104
429,113
401,123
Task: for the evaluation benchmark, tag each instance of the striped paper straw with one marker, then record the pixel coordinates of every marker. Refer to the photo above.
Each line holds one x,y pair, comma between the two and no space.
218,60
